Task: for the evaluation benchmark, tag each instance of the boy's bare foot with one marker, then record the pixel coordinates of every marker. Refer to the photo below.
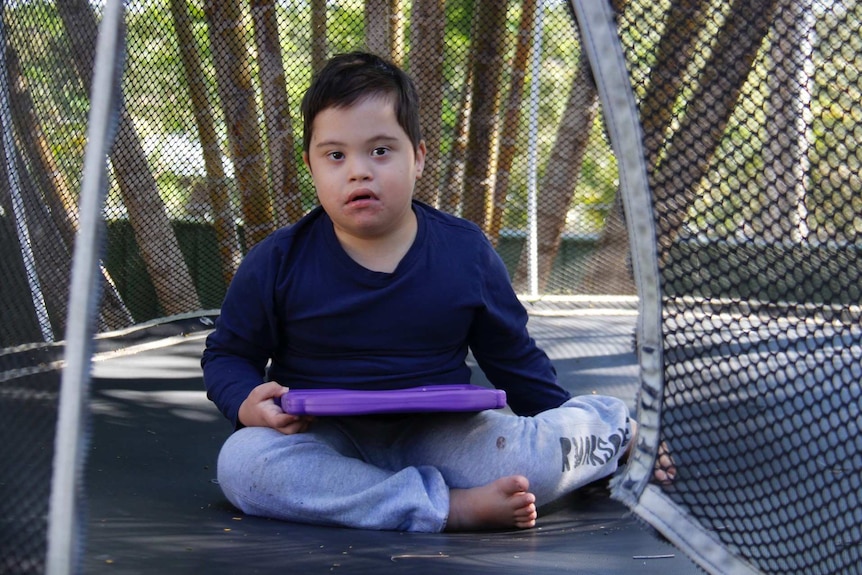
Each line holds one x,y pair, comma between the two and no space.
665,468
501,503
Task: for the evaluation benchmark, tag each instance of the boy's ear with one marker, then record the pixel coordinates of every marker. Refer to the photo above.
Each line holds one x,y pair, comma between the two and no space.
420,152
305,161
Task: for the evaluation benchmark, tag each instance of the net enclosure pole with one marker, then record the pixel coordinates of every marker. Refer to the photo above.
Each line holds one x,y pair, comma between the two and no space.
16,199
602,45
532,160
65,540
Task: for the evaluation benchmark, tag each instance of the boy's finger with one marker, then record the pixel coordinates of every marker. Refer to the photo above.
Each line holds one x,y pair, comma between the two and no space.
281,420
293,427
269,389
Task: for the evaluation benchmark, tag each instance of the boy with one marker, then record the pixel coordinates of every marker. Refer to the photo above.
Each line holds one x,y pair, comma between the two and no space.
373,290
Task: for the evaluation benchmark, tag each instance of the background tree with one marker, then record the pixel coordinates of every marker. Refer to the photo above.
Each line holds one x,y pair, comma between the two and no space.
53,279
236,92
666,75
318,34
59,199
55,201
452,188
786,155
378,15
512,116
563,170
426,67
21,321
608,271
397,49
487,60
153,231
283,176
218,193
691,147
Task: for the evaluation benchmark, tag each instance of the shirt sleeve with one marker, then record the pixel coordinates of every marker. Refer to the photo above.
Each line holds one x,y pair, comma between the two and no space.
503,348
237,352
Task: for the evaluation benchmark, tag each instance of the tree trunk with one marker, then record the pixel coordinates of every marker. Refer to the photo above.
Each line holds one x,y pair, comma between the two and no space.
216,184
318,34
487,45
45,242
233,77
452,188
426,67
153,231
284,179
58,197
609,269
377,19
563,170
58,200
666,75
157,241
786,153
21,321
692,146
512,119
396,32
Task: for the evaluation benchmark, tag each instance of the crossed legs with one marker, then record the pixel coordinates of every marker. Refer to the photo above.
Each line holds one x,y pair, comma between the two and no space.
424,473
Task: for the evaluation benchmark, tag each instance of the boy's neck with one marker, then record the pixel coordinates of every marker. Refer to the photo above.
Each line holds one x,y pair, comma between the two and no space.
380,253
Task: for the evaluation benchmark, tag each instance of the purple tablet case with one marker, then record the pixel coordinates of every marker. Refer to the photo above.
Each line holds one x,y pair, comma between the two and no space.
412,400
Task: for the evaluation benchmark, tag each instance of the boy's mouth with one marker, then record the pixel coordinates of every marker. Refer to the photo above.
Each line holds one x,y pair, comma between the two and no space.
360,196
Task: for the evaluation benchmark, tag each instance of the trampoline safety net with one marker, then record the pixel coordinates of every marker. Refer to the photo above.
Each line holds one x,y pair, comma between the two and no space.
730,210
752,118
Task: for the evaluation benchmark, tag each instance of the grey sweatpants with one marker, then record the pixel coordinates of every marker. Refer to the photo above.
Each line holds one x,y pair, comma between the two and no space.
395,472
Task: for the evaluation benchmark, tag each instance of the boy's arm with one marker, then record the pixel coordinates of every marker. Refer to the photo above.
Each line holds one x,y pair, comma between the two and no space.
233,384
507,354
237,352
231,371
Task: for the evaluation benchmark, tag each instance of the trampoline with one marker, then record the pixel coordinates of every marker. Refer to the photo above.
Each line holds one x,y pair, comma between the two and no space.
154,506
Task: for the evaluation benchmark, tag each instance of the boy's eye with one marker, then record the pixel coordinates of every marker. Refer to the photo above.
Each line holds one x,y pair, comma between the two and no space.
379,151
336,155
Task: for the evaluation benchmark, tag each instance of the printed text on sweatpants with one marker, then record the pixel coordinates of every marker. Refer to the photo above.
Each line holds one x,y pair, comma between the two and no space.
590,449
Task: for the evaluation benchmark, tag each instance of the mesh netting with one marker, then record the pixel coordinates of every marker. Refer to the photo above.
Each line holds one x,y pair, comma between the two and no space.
207,162
29,414
752,115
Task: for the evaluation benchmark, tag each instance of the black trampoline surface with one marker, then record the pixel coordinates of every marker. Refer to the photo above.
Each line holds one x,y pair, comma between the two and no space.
154,505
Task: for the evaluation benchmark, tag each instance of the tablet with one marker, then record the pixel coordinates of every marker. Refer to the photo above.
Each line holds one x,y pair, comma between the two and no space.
439,398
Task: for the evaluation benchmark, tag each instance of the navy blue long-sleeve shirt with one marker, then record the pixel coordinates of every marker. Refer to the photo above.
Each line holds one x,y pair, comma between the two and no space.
322,320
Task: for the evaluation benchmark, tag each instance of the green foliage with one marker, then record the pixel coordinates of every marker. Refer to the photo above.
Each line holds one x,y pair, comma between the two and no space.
153,63
347,19
156,94
59,97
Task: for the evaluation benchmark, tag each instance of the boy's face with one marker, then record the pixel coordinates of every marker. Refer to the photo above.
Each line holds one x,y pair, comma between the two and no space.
364,168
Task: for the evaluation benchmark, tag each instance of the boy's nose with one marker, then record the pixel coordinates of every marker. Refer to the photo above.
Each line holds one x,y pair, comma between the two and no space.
359,169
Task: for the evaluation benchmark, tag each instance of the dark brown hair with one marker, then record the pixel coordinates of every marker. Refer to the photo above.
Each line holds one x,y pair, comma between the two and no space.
348,78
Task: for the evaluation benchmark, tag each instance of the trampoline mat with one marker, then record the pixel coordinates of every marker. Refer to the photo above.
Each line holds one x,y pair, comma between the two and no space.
154,504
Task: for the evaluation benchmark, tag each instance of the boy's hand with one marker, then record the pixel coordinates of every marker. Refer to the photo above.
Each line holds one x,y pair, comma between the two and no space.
260,410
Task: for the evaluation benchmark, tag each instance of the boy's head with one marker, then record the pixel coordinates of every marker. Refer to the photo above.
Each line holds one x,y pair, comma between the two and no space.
349,78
